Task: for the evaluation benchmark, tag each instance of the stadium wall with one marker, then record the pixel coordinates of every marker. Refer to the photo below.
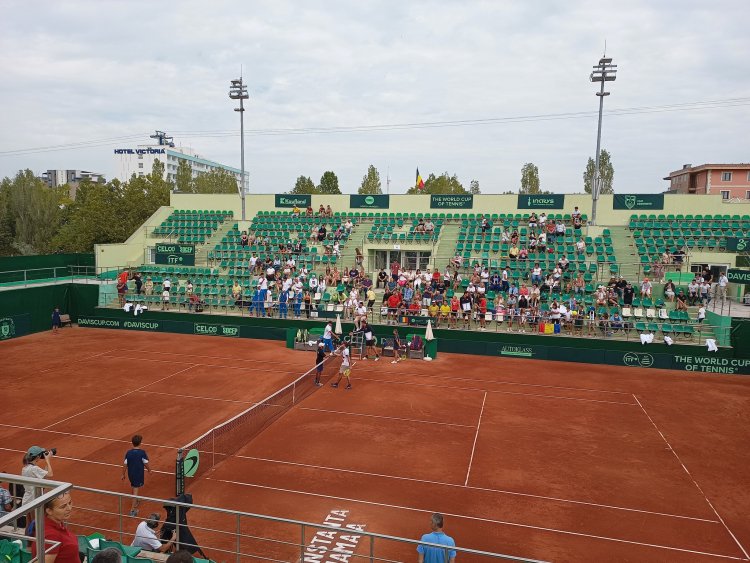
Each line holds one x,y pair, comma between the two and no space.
682,357
21,268
491,203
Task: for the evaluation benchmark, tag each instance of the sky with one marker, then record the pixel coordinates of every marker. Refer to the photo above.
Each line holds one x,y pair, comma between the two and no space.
81,78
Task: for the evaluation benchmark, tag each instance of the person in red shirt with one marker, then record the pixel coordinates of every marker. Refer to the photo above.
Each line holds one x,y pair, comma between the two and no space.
455,310
395,267
482,310
415,308
57,512
393,304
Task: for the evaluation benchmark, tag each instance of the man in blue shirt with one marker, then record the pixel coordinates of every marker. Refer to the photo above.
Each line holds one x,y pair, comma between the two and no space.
429,554
136,464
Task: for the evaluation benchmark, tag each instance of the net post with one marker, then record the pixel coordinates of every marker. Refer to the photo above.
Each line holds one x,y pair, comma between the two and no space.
179,474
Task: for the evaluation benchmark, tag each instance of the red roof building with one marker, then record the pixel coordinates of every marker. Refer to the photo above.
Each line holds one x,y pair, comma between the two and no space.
732,181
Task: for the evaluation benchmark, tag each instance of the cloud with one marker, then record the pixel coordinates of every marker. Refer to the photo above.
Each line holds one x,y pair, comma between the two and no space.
92,70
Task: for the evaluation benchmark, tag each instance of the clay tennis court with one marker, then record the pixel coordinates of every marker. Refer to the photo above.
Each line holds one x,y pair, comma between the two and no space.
545,460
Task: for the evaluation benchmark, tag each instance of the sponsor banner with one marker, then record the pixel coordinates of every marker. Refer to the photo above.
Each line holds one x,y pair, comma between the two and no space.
7,328
712,364
210,329
738,244
369,201
519,351
738,276
98,322
175,254
451,201
541,201
303,201
638,201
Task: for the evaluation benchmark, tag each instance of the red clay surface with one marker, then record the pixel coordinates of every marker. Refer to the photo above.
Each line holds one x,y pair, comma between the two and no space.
546,460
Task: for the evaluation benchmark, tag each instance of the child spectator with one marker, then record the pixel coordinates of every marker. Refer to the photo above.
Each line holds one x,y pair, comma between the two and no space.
136,462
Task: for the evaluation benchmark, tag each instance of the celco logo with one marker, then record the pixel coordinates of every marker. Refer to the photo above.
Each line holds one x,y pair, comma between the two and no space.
635,359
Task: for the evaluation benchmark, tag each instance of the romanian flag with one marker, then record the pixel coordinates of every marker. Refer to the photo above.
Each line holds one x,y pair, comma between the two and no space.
420,182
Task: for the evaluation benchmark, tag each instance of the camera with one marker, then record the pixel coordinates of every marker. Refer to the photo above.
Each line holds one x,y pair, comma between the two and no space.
52,451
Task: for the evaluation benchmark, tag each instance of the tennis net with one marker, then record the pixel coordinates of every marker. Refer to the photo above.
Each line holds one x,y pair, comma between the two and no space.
227,438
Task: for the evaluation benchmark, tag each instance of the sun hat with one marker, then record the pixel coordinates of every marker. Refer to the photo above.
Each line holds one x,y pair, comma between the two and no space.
35,451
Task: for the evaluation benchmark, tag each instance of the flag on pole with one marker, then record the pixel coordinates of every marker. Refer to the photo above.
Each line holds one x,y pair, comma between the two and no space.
420,182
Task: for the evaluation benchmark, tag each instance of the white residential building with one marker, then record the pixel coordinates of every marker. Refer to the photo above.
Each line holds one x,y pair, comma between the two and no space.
140,159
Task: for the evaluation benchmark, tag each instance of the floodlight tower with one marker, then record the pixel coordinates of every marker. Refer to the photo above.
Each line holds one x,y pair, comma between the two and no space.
605,71
238,91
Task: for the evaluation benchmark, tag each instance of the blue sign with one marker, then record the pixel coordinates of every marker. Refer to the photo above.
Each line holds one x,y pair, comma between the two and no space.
140,151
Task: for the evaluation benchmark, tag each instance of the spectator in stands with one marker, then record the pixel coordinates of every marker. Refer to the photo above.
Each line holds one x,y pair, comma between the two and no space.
322,232
681,301
382,279
577,224
513,252
109,555
148,287
580,247
560,230
321,211
693,291
138,282
31,468
564,263
419,227
646,288
701,314
165,299
309,211
395,269
678,256
612,298
627,294
146,538
484,225
551,229
56,513
706,292
721,287
657,269
533,220
394,301
122,289
600,296
669,291
295,211
329,211
244,240
505,236
429,226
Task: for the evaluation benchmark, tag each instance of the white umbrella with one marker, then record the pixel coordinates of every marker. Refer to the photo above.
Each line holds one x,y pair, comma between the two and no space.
428,333
338,329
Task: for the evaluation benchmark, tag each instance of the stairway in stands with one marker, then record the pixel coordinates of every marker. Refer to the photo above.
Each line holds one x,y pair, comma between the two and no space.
624,249
445,248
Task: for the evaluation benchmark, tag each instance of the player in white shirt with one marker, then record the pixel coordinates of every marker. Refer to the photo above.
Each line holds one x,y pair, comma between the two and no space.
345,370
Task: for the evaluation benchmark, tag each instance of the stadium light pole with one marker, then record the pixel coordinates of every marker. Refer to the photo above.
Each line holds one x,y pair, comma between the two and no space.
238,91
605,71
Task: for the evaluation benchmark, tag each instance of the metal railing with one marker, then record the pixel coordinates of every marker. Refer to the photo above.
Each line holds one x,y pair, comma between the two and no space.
36,506
230,535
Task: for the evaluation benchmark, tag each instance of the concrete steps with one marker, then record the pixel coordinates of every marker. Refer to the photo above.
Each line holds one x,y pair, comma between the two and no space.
624,249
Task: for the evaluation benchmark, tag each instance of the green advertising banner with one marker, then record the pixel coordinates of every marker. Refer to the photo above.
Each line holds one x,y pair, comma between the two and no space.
541,201
191,462
14,326
210,329
638,201
738,276
737,244
451,201
369,201
302,201
175,254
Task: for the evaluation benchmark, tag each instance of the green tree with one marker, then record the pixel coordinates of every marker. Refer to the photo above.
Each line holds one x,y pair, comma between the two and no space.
474,187
443,184
329,183
216,182
529,179
304,185
606,172
371,182
184,177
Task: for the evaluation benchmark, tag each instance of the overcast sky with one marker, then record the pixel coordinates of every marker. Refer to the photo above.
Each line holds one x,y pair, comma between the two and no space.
74,72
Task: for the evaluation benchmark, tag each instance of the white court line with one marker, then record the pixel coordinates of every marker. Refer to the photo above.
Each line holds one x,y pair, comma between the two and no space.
697,486
380,475
79,360
387,417
118,397
74,435
90,461
418,384
474,446
249,403
498,392
477,519
473,488
368,370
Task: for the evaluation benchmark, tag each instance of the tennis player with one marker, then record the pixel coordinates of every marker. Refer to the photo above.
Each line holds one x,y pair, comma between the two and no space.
397,346
345,370
319,357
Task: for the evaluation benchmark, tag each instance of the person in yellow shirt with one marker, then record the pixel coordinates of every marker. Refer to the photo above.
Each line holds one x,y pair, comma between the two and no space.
236,290
434,312
445,312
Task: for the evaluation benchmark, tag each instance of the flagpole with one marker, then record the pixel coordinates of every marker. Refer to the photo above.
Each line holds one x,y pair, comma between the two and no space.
388,180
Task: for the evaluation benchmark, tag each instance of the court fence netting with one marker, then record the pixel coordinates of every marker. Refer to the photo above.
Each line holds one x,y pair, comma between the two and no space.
227,438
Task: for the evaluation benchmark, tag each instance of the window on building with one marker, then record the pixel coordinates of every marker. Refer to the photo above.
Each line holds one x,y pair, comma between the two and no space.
748,176
140,165
141,174
724,194
140,157
726,176
747,194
